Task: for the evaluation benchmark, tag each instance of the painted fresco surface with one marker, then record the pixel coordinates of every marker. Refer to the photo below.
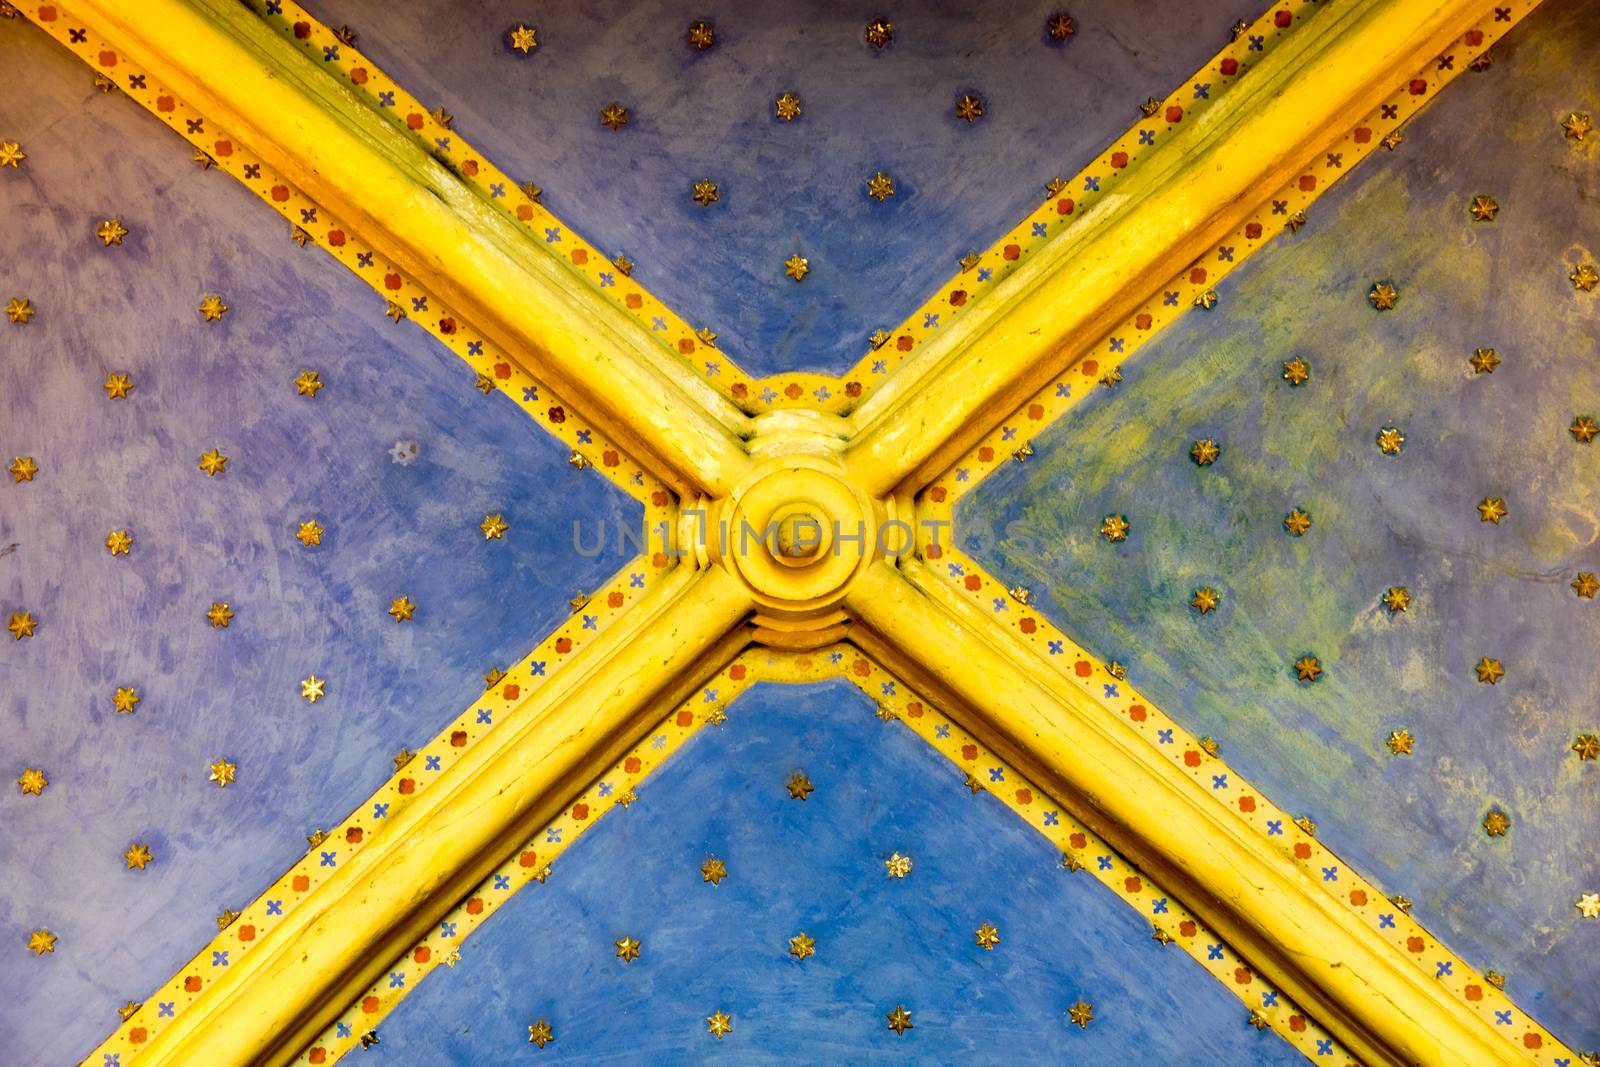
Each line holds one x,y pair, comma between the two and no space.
818,866
1502,591
391,529
787,187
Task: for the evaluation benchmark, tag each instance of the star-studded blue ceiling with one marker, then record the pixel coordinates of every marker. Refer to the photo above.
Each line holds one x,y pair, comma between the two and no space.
799,186
394,525
817,866
1479,590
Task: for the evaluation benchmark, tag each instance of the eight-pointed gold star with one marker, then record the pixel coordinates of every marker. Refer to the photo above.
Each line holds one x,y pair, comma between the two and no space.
1483,208
627,949
1492,509
1489,671
1484,361
1391,441
310,533
125,699
1205,600
41,941
11,154
1583,429
1384,295
308,383
1297,522
1297,371
704,192
969,107
719,1024
1576,126
802,945
701,35
1204,452
897,866
212,308
219,615
111,232
494,527
22,469
614,116
223,772
1496,823
1396,598
899,1019
402,608
20,310
22,624
880,187
1114,528
987,937
1584,277
523,38
32,781
313,688
797,267
1587,746
213,463
786,106
1400,742
540,1033
117,387
1307,668
879,32
1586,584
1081,1013
1060,27
713,870
138,857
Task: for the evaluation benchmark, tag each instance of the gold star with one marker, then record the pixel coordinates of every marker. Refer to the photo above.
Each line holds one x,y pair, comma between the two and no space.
1114,528
441,116
627,949
720,1024
20,311
713,870
138,857
1392,139
1584,277
111,232
493,678
800,786
308,383
222,772
313,689
1391,441
1239,29
897,865
524,39
802,945
1021,594
1397,599
117,386
1400,742
402,608
880,187
1204,452
966,262
1296,221
1489,671
1585,584
1210,745
1206,300
300,235
1150,106
1060,27
213,463
1161,937
1116,670
1575,126
394,311
453,959
41,941
1587,746
987,937
1297,371
531,191
879,32
1257,1020
701,35
1205,600
1484,361
1055,187
1588,905
22,469
345,35
704,192
614,116
707,336
310,533
220,615
969,107
1297,522
624,267
1583,429
1495,978
483,383
125,699
369,1039
22,625
402,758
11,154
212,308
797,267
899,1020
1483,208
129,1010
1307,668
494,527
1384,295
1081,1013
32,781
716,716
787,106
1492,509
540,1033
1496,823
1402,902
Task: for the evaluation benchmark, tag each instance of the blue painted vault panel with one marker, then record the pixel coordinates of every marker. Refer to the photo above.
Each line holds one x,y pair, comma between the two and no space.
139,620
800,186
818,866
1413,823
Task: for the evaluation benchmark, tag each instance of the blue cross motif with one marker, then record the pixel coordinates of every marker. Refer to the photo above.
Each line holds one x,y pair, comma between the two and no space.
497,189
1110,688
591,622
1091,184
274,907
113,1059
999,603
1330,874
879,366
1219,781
552,835
1442,968
474,348
942,731
1274,827
1116,344
1052,818
386,99
888,689
1269,999
606,280
1007,433
363,259
713,368
165,1009
443,143
984,274
657,322
484,718
1039,229
1225,253
658,741
379,810
1280,207
274,7
552,234
1164,737
962,475
308,214
219,959
957,570
329,859
330,53
1324,1047
447,929
1103,862
342,1029
767,394
419,303
530,392
1063,389
1158,907
1054,646
821,393
1213,952
397,980
586,436
711,694
997,774
502,882
1257,43
536,668
1169,299
929,320
636,580
431,763
1202,90
1502,1018
835,657
1386,922
606,789
1147,137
